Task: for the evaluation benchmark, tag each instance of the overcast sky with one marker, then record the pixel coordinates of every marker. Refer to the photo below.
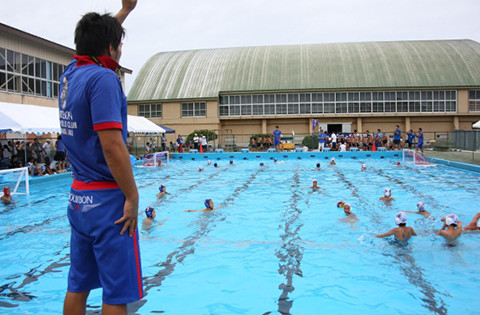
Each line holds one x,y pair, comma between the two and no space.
169,25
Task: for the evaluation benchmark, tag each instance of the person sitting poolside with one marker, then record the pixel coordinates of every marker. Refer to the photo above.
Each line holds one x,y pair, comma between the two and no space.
350,218
7,197
474,225
364,167
451,229
209,207
315,186
387,195
402,232
332,161
163,191
200,168
421,210
317,166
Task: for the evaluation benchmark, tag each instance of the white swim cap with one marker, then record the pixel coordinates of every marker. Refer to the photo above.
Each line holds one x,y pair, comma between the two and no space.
451,219
387,192
209,162
314,181
333,159
364,165
347,205
400,218
200,168
420,206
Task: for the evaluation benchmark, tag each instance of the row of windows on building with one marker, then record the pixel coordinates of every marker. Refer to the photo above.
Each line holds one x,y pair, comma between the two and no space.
25,74
192,109
338,102
474,101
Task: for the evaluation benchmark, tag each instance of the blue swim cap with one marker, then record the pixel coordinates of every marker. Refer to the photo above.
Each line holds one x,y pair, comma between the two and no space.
149,212
261,164
161,188
231,162
215,164
207,203
318,164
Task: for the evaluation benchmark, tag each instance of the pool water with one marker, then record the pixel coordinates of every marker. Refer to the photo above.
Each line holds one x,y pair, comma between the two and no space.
275,247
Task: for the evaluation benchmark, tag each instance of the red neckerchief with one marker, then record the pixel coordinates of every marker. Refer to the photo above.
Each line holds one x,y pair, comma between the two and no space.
102,61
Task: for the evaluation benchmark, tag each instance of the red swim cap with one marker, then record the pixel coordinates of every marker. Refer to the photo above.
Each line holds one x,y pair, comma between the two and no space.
5,189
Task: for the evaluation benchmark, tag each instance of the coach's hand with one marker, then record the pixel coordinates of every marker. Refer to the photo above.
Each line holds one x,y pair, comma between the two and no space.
130,217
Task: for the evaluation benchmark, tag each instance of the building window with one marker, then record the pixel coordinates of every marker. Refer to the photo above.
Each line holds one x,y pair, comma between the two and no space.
377,102
150,110
474,101
199,109
21,73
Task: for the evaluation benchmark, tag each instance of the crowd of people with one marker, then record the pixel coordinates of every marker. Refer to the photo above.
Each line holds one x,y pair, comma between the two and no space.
365,141
41,158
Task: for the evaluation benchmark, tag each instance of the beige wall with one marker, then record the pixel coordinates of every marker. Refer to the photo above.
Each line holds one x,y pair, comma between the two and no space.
462,101
24,99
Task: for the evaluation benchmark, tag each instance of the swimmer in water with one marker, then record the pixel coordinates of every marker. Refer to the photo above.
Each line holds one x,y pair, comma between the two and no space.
315,186
150,213
364,167
215,165
209,207
275,161
402,232
231,162
421,210
332,161
262,165
451,229
318,166
209,162
474,225
200,168
163,191
387,195
7,197
350,218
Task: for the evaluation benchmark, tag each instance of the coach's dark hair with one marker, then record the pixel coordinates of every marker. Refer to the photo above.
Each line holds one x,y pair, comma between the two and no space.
94,34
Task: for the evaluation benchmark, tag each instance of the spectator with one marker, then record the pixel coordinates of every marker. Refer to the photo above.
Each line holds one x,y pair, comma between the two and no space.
277,134
333,138
164,142
180,144
321,140
196,141
397,136
60,154
47,150
204,143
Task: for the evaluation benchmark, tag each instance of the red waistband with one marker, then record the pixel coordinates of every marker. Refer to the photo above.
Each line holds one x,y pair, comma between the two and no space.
78,185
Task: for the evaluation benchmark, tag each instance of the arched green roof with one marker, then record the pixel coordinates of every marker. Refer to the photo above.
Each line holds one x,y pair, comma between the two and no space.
197,74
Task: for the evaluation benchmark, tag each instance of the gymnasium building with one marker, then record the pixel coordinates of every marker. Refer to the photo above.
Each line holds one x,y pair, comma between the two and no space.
242,91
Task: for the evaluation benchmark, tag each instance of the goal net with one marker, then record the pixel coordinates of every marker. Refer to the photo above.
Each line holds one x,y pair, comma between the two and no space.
156,159
412,156
16,179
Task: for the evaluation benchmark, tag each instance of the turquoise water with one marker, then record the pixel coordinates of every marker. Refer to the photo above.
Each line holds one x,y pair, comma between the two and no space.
274,247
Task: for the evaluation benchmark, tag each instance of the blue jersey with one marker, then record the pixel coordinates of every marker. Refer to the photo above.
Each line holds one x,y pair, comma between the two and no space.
321,137
276,134
411,136
60,145
420,137
397,134
91,99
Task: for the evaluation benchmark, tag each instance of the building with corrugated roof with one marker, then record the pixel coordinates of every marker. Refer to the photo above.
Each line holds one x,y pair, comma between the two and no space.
364,86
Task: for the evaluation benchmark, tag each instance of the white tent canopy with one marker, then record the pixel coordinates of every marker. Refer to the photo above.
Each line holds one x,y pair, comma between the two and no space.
476,125
38,119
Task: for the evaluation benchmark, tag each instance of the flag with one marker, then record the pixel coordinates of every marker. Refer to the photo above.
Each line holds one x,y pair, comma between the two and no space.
314,124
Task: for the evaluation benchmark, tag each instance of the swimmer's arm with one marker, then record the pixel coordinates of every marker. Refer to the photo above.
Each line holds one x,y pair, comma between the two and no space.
413,232
127,7
473,224
118,161
391,232
203,210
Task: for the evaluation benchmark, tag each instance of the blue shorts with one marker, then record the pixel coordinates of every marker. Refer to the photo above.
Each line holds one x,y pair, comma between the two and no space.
276,142
99,255
420,145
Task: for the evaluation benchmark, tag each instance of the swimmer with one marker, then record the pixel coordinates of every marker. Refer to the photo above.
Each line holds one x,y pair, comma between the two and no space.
163,191
332,161
350,216
150,213
275,161
209,162
402,232
474,225
364,167
318,166
451,229
387,195
315,186
7,197
215,165
209,206
200,168
421,210
262,165
231,162
398,164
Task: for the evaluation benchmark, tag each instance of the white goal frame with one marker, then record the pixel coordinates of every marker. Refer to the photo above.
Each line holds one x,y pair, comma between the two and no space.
23,175
153,161
417,158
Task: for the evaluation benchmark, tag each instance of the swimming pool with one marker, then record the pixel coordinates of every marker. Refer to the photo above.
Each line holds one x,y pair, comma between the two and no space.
274,247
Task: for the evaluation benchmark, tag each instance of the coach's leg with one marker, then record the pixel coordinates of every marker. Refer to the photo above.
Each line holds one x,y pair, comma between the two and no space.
75,303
